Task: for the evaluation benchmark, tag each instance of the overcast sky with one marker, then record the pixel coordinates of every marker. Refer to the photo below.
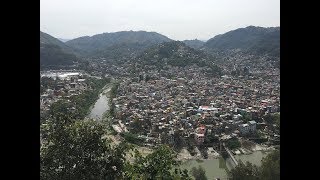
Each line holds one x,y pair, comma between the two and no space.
176,19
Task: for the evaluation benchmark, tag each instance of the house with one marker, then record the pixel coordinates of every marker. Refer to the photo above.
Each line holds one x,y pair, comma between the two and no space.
244,128
252,125
207,108
199,134
249,127
199,138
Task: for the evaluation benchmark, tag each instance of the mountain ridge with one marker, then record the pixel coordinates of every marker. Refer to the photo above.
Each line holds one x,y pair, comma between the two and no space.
54,53
99,42
251,39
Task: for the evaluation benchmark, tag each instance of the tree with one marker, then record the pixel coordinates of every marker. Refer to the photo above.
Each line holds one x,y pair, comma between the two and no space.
270,167
272,118
269,170
246,171
156,165
199,173
77,151
233,143
178,141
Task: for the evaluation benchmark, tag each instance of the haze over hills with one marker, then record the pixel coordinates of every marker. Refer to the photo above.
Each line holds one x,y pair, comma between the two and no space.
196,44
253,40
64,40
119,46
128,41
54,53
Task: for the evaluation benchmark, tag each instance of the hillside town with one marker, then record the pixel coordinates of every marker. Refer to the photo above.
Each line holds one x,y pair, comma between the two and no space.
161,105
61,84
159,90
185,106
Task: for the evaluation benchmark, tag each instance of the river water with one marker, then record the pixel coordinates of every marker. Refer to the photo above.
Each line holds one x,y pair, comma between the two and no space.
101,106
215,168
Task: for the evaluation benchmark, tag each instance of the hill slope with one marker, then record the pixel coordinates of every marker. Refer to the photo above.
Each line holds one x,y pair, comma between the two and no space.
122,43
254,40
176,53
54,53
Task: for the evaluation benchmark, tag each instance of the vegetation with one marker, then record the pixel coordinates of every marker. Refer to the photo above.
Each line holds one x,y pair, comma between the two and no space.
112,94
78,106
47,39
111,45
176,53
132,138
72,148
52,55
254,40
269,170
179,142
77,150
158,165
199,173
246,171
272,118
233,143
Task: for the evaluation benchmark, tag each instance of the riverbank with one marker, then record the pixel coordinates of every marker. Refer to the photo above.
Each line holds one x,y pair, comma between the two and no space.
101,105
184,155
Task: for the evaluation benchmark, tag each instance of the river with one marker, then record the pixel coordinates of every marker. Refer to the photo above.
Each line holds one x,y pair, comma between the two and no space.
101,105
216,167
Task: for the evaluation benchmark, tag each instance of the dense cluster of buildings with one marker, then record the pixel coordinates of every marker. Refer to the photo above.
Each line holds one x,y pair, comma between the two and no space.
160,104
185,101
58,84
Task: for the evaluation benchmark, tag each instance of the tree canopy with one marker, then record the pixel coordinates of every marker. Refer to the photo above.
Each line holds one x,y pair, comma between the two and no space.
199,173
269,170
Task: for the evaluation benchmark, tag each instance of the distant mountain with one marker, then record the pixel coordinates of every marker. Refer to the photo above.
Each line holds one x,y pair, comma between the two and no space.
64,40
116,44
176,53
254,40
54,53
196,44
48,39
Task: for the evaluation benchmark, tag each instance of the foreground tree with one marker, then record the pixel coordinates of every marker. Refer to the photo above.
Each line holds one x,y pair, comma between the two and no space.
78,151
199,173
270,168
158,165
246,171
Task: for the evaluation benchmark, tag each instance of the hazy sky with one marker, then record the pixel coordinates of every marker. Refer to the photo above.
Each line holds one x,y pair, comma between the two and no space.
176,19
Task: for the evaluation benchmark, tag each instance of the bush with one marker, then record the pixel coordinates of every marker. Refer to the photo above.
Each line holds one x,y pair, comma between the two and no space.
233,144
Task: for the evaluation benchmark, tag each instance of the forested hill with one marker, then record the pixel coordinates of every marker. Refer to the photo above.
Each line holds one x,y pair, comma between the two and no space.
176,53
54,53
253,40
117,43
